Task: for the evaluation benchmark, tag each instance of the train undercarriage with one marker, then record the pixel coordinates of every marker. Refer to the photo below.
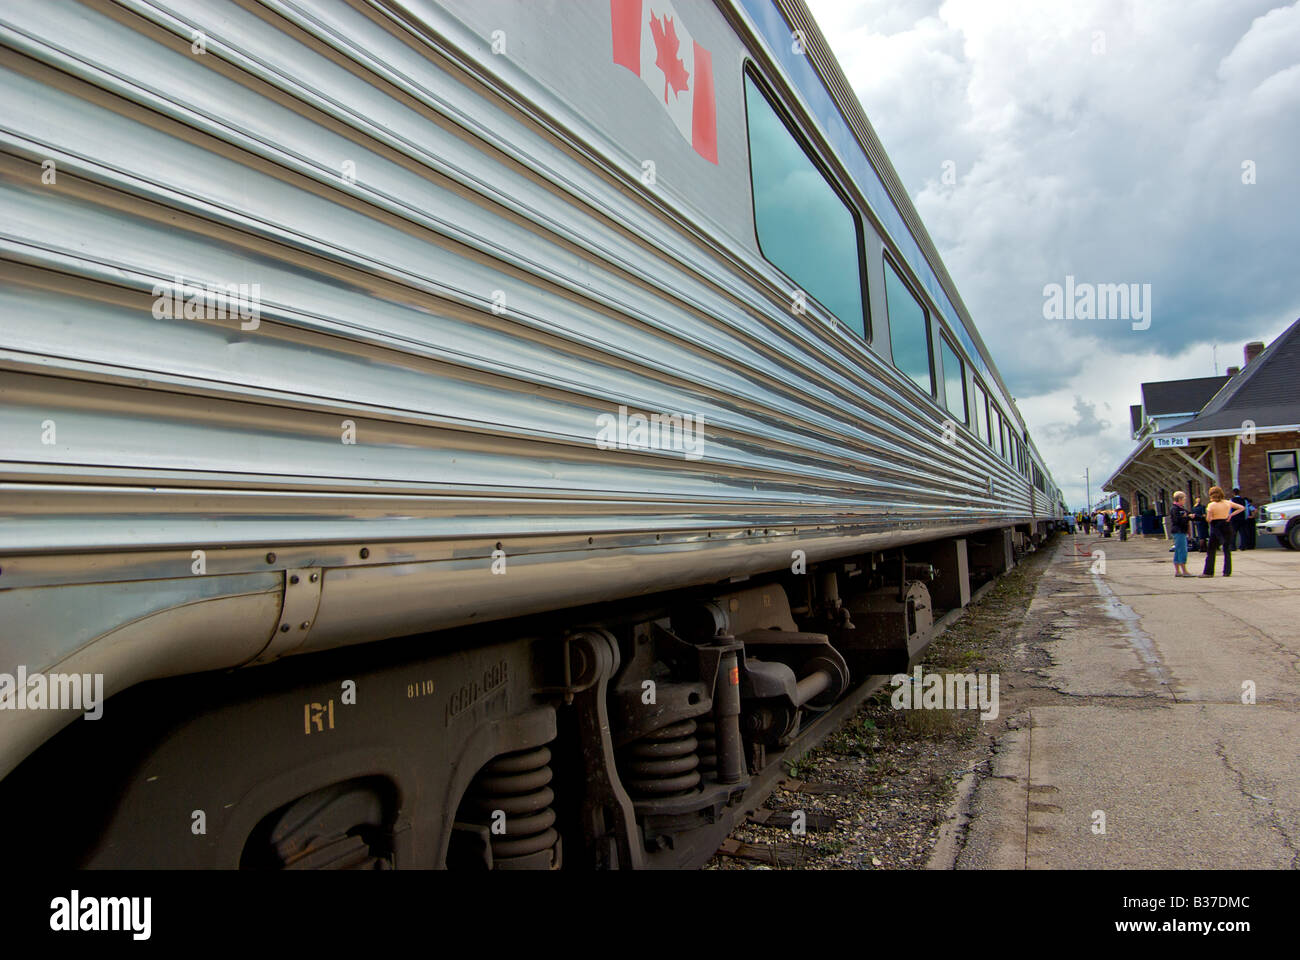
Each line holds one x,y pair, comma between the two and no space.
630,735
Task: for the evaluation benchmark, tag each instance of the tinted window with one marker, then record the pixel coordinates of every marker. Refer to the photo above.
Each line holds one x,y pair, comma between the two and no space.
909,331
981,414
954,381
803,226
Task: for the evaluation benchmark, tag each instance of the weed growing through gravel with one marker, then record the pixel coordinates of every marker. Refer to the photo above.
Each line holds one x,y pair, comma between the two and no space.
803,766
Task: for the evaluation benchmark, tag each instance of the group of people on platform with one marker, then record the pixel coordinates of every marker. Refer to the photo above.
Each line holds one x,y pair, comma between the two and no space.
1226,521
1241,527
1105,522
1222,524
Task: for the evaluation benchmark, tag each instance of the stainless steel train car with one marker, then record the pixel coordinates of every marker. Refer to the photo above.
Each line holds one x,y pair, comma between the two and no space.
465,433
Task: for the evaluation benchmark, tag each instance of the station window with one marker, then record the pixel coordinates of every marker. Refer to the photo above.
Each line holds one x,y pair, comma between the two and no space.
804,226
954,380
909,330
1283,478
981,413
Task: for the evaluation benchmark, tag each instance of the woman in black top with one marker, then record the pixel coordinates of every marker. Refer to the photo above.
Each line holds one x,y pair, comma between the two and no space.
1179,521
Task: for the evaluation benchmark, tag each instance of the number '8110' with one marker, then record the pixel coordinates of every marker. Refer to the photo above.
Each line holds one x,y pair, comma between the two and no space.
421,688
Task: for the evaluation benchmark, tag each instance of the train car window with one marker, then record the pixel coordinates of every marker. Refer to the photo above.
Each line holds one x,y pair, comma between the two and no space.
909,330
954,380
804,226
981,413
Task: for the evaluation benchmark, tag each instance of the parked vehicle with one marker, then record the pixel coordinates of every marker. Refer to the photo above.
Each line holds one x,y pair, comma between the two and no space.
1282,519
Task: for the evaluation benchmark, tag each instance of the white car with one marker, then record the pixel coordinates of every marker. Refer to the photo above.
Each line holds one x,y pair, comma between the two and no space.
1282,519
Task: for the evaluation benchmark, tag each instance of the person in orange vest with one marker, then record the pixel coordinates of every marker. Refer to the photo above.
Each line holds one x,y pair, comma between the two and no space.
1121,518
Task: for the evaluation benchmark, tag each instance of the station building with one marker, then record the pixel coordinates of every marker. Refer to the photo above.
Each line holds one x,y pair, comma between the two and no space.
1240,430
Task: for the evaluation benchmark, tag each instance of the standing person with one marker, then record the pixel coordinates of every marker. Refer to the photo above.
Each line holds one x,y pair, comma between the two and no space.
1238,519
1252,518
1087,522
1121,518
1202,526
1179,521
1219,514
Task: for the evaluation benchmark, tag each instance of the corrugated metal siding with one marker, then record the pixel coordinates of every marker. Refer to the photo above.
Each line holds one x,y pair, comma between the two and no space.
130,439
225,168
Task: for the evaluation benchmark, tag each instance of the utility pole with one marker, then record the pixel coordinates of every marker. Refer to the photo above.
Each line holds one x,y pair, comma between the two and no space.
1087,480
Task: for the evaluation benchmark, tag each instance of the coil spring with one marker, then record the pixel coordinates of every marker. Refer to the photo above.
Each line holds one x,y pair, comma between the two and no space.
707,734
516,785
663,763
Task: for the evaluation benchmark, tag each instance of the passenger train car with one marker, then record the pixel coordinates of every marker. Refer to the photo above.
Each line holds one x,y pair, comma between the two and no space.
461,433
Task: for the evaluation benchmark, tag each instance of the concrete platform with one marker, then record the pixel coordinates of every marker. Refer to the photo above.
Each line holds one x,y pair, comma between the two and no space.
1144,717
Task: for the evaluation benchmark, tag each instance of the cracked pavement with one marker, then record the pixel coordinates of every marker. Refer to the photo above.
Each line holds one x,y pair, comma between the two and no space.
1132,717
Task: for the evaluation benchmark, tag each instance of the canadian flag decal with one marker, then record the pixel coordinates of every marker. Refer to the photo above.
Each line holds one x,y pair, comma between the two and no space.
650,40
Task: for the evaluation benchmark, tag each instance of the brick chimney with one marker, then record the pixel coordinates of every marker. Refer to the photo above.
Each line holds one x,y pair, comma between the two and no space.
1233,371
1253,350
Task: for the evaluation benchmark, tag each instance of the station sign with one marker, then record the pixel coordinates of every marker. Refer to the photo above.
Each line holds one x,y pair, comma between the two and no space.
1170,442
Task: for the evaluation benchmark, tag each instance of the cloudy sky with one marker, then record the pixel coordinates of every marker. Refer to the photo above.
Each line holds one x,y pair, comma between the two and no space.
1108,140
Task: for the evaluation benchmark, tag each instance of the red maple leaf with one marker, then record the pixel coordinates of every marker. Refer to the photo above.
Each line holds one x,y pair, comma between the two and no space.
664,35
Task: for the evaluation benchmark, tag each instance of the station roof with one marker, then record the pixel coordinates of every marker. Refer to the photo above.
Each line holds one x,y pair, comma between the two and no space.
1266,392
1179,396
